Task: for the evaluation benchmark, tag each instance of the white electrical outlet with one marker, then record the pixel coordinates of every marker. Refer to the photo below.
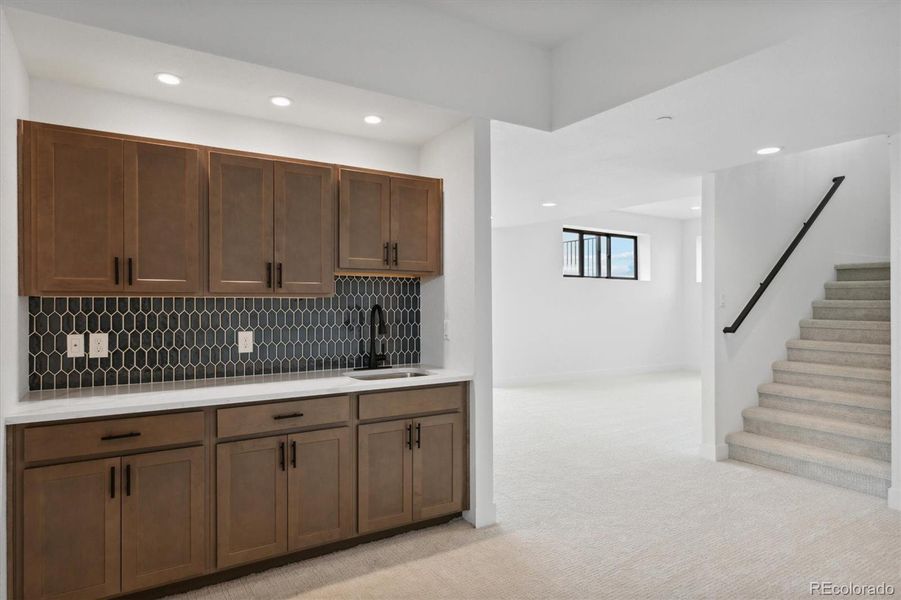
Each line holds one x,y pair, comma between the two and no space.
98,345
245,342
75,345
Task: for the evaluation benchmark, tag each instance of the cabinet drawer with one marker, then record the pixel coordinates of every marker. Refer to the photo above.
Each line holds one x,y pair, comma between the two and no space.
448,398
112,435
276,416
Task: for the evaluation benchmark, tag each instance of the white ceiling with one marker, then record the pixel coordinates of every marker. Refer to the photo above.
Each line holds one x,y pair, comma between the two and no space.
73,53
677,208
539,63
836,85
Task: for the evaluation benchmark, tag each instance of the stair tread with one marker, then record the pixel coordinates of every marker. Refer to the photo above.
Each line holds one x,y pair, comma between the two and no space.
845,324
830,458
874,283
810,368
872,433
866,265
830,396
828,346
852,303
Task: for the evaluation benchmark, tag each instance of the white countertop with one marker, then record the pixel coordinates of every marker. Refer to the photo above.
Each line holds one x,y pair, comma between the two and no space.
79,403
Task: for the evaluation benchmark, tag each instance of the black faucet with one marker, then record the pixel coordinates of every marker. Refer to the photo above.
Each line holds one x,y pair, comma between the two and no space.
375,358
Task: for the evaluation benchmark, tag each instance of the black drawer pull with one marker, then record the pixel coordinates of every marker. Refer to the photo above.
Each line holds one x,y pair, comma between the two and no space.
120,436
395,253
279,274
116,269
287,416
268,274
112,482
385,255
293,454
409,437
281,455
419,435
128,480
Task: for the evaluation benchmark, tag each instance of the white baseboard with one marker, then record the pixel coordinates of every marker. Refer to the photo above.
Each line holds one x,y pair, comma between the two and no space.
582,375
483,516
714,452
894,496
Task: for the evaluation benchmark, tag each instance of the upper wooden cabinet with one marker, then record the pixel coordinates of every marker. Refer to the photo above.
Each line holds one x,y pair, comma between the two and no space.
105,214
271,226
389,223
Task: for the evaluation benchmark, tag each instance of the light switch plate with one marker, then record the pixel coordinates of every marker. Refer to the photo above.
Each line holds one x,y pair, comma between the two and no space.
98,345
75,345
245,342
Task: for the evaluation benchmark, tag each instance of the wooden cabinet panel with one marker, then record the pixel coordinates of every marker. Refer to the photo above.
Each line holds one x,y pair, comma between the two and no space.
251,516
71,530
397,403
437,466
320,494
364,220
384,475
304,228
415,225
70,440
77,205
278,416
163,517
240,224
162,218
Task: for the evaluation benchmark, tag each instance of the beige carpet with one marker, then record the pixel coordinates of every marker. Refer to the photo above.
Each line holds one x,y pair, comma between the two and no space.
600,494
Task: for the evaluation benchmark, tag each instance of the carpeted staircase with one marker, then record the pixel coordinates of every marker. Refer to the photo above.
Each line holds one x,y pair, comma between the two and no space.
826,414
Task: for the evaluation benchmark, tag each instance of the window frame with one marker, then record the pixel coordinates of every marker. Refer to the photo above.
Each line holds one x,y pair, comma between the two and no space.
582,233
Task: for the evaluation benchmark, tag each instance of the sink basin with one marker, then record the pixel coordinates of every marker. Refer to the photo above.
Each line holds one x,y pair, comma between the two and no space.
377,374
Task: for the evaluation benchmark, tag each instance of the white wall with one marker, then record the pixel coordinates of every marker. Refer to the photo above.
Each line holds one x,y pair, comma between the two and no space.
13,105
751,213
894,494
547,326
66,104
691,295
462,297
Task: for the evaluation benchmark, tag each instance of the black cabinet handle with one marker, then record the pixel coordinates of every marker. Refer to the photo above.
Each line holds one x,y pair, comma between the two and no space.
112,482
294,454
410,437
279,274
268,274
130,282
116,269
287,416
128,480
419,435
395,253
385,255
120,436
281,455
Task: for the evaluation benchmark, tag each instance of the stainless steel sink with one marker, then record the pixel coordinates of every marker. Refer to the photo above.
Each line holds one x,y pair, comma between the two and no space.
396,373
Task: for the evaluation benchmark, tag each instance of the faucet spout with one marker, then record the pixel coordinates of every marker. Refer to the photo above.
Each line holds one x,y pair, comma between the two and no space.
376,314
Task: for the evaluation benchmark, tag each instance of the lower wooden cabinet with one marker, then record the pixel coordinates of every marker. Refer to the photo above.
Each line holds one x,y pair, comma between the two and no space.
71,531
163,517
283,493
87,523
409,470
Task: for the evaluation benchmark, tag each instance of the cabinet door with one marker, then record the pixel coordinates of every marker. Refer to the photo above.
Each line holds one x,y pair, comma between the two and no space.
162,219
77,205
240,224
251,500
415,225
163,517
320,497
71,535
437,466
364,221
385,463
304,229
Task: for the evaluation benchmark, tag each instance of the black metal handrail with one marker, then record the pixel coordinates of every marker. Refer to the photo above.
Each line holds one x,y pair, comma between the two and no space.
836,181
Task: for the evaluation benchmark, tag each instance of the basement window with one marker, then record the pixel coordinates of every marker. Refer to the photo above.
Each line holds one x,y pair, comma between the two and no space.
599,255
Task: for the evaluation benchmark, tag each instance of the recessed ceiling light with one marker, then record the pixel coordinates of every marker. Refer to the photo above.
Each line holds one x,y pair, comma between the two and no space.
372,119
769,150
280,101
168,78
548,204
695,208
664,118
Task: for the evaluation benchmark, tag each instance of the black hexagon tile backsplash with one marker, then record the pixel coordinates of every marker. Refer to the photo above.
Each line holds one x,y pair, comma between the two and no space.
176,338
